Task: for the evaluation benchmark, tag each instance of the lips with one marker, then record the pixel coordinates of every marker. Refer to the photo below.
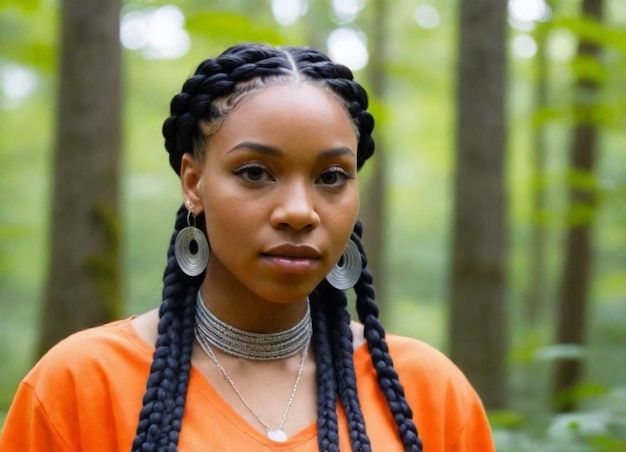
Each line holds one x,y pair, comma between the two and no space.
294,259
291,251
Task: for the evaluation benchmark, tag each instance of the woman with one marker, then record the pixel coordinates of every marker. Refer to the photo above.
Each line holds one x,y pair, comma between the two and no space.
255,349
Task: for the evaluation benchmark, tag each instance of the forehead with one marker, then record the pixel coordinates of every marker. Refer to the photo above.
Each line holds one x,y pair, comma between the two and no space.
300,98
289,115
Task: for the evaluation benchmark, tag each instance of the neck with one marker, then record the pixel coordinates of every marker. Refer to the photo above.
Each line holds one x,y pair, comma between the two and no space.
253,346
249,312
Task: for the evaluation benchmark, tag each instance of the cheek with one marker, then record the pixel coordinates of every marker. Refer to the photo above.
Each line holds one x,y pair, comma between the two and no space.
223,208
225,218
344,218
351,209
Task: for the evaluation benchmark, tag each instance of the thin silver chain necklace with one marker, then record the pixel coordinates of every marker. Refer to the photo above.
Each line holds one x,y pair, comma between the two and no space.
252,346
275,434
211,331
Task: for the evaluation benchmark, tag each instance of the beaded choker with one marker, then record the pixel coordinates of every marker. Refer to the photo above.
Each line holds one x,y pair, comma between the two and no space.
254,346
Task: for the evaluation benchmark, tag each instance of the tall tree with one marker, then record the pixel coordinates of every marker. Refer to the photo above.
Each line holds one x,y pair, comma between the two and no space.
478,334
83,281
573,294
534,297
374,203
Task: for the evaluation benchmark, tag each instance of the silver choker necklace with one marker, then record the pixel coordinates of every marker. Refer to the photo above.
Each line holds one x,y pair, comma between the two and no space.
253,346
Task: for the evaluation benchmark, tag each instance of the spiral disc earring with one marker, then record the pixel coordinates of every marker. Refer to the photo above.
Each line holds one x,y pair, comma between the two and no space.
347,271
191,248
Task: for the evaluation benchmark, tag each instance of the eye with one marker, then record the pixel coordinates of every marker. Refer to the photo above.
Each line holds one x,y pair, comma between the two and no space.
334,178
252,173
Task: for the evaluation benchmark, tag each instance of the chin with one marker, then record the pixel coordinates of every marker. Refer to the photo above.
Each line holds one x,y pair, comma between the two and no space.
287,294
288,298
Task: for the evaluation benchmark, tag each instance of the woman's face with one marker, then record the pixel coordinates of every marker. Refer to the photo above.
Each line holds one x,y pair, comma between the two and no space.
279,191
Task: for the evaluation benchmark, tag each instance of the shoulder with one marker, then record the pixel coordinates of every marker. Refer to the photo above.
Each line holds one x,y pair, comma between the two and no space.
447,408
430,377
420,364
89,351
89,368
409,354
414,355
82,392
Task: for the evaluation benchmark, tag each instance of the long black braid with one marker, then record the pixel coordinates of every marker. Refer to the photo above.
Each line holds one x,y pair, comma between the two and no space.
346,377
206,98
164,400
374,332
327,427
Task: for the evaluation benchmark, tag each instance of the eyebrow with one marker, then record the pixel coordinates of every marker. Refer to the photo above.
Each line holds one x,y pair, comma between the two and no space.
275,152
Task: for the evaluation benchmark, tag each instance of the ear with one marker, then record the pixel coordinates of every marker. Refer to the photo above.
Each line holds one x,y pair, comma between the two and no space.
190,180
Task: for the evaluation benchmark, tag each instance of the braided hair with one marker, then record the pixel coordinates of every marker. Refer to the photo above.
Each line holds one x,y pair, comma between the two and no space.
215,89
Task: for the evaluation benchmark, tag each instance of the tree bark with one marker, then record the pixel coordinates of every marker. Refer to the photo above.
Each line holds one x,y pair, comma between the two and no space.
374,212
478,333
534,298
83,281
573,297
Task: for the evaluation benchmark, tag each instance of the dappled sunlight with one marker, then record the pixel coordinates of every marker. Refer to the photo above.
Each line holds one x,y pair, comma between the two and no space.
524,46
346,11
427,16
348,46
287,12
16,83
523,14
155,32
530,10
562,45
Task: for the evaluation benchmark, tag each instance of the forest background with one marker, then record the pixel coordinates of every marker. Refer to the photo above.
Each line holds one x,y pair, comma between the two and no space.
416,130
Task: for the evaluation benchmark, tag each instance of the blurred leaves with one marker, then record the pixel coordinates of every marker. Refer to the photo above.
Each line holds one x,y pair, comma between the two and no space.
417,120
231,28
28,34
560,351
608,36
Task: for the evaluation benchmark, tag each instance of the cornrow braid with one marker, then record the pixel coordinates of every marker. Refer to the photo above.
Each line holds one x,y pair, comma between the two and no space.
212,80
244,68
374,332
166,389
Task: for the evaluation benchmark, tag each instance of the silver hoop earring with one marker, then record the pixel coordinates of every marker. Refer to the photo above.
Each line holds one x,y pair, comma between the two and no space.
345,274
191,248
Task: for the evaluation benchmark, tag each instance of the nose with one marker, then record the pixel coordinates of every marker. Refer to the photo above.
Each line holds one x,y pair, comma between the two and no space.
295,207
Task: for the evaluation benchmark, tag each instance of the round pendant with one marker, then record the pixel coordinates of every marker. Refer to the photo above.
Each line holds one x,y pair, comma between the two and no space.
277,435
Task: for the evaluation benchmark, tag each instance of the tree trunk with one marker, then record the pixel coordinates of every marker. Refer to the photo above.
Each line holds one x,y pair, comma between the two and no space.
374,203
478,333
576,271
83,281
534,299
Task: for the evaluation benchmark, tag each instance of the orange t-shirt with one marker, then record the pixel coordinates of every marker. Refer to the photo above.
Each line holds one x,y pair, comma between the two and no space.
86,394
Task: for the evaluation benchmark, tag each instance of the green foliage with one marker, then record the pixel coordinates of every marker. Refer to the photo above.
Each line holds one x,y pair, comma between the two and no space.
24,5
415,122
600,424
579,432
28,34
230,28
506,420
589,30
